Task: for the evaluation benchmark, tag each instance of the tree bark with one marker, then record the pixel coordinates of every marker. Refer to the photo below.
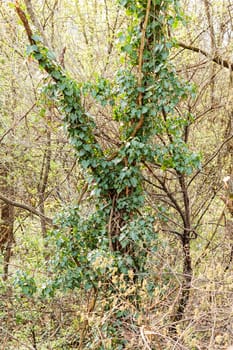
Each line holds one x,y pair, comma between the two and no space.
187,261
7,220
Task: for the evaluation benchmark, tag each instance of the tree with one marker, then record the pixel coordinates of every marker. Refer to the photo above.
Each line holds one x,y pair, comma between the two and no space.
144,101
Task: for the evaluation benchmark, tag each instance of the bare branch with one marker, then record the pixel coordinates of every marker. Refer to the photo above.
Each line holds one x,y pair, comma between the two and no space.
25,207
35,21
217,59
12,128
211,158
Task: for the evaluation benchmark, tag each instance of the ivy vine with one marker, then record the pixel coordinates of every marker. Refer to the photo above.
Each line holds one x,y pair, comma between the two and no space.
116,236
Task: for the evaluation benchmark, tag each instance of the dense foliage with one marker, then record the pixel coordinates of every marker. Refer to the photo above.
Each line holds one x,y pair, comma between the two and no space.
143,99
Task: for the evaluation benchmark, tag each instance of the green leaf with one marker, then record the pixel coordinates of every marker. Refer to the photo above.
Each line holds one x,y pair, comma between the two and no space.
51,55
133,181
56,74
144,109
31,49
37,37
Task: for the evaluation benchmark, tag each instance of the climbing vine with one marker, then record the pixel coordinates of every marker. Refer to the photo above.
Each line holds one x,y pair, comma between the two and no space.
115,238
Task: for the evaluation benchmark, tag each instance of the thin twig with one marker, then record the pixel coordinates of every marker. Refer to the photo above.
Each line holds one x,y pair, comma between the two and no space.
144,338
21,118
211,158
110,225
19,341
204,252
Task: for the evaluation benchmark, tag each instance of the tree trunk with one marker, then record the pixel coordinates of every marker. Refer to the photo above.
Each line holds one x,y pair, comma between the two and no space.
187,261
7,220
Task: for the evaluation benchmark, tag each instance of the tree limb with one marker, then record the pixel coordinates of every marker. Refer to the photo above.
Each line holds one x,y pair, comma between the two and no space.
25,22
25,207
35,21
140,63
217,59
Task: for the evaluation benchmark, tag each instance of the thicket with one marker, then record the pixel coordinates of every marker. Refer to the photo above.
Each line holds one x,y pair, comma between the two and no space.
126,251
